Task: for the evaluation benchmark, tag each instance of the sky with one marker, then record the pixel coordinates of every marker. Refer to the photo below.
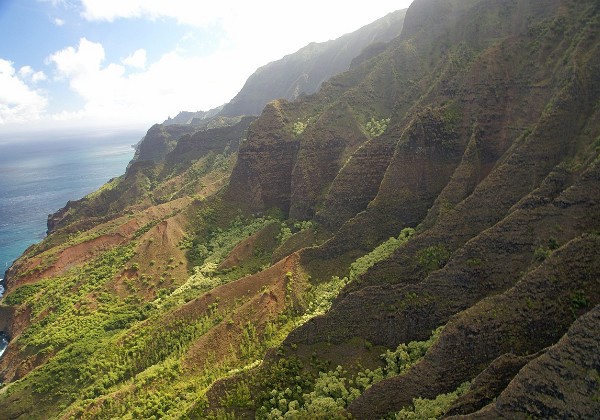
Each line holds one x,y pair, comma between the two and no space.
78,63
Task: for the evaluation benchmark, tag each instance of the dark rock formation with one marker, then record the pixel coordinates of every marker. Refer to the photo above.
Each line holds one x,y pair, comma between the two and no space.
218,140
561,383
160,140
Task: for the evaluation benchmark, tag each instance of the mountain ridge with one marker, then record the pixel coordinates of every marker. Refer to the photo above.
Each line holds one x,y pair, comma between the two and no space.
303,72
419,238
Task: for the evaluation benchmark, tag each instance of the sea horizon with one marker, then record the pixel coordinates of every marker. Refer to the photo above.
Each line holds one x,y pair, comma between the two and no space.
40,172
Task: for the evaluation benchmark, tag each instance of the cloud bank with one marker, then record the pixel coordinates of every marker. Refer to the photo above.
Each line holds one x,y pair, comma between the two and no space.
111,91
19,101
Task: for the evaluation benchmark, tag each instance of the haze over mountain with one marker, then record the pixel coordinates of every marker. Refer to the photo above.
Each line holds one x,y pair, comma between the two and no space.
299,73
417,239
302,72
85,63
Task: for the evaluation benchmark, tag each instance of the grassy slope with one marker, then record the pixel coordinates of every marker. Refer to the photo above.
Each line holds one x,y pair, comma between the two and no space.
162,284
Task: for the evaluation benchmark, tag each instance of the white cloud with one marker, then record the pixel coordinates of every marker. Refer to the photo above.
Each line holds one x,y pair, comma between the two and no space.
58,22
27,73
269,28
172,83
251,34
74,63
19,102
137,59
38,76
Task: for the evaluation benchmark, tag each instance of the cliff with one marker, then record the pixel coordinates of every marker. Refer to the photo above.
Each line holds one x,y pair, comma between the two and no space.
417,239
303,72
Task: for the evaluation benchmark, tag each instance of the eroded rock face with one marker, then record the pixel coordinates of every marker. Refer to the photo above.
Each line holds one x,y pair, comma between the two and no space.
561,383
6,315
487,175
160,140
524,320
486,386
261,178
218,140
488,147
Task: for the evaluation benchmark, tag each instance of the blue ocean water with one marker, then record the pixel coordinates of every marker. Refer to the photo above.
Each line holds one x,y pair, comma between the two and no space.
40,173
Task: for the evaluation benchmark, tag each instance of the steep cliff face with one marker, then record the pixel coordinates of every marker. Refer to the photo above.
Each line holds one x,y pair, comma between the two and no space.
482,158
565,371
303,72
261,177
297,264
160,140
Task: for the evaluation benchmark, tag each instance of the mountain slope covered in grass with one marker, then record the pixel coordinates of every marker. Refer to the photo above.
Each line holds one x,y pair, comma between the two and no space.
418,239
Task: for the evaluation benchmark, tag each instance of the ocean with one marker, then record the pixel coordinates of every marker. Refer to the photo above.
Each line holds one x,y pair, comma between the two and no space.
40,173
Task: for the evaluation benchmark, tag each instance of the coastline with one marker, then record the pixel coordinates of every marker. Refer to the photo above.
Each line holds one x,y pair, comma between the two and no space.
38,176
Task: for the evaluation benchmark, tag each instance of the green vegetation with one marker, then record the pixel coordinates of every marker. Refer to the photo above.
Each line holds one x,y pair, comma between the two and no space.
288,229
99,343
451,117
375,127
205,165
109,186
23,293
326,394
220,242
323,391
578,301
431,409
383,251
542,252
433,257
321,296
298,127
202,280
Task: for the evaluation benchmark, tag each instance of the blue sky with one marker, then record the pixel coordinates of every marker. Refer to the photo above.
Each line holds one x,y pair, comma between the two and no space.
66,63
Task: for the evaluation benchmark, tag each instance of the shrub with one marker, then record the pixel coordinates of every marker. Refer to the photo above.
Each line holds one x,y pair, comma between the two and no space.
383,251
377,127
432,409
433,257
298,127
23,293
326,395
541,253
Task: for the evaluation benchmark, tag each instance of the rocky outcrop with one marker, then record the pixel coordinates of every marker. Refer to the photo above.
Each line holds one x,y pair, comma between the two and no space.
527,318
160,140
6,315
190,148
561,383
261,179
486,386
